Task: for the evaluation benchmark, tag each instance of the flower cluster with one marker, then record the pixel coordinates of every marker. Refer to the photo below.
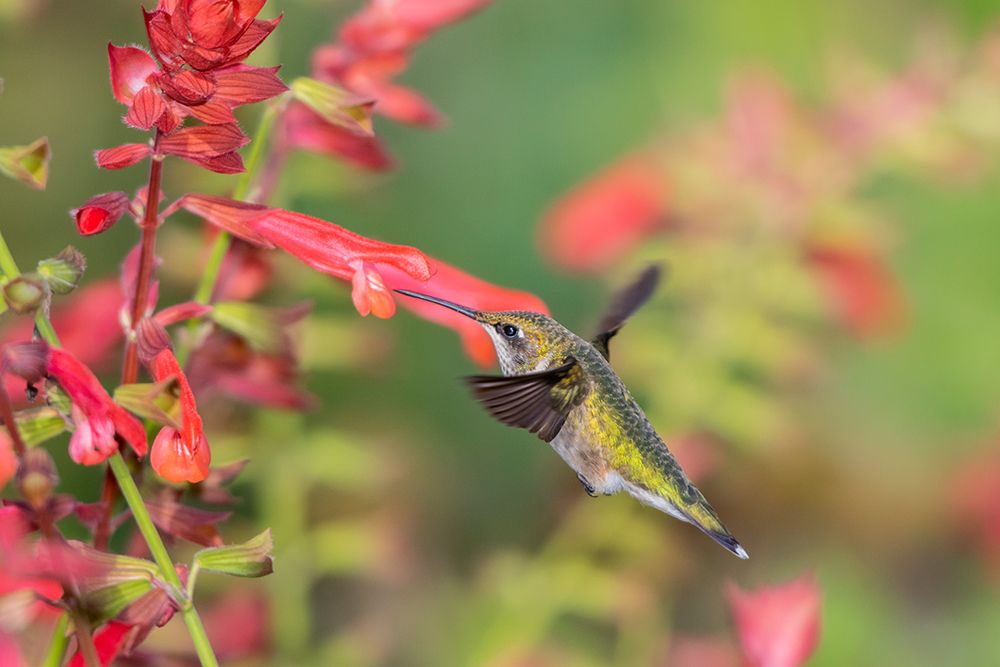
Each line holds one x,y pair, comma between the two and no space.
198,72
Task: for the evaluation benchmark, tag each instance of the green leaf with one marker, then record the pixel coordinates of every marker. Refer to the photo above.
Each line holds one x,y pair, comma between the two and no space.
28,164
37,425
250,559
336,105
157,402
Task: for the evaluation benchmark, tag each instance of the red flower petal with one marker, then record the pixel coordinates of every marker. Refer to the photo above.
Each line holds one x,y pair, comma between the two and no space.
166,46
304,129
130,68
402,104
122,156
100,212
369,293
188,87
603,219
227,214
242,84
228,163
431,15
251,38
331,249
212,22
146,109
213,113
448,282
777,626
204,141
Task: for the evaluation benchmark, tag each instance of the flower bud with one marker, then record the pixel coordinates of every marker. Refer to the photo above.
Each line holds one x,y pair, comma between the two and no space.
25,294
28,164
37,477
62,273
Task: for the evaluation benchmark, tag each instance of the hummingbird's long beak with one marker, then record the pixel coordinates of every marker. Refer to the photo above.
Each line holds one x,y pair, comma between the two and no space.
468,312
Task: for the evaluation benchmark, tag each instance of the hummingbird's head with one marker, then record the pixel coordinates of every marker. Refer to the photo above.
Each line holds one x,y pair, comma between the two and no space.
524,341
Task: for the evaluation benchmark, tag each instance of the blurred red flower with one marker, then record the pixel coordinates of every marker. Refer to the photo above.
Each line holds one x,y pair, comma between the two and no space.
975,502
108,641
8,459
448,282
605,217
777,626
23,565
96,417
304,129
860,287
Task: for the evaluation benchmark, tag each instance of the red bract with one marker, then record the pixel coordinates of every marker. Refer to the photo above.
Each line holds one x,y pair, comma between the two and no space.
178,455
777,626
601,220
95,416
100,213
861,290
341,253
130,69
122,156
448,282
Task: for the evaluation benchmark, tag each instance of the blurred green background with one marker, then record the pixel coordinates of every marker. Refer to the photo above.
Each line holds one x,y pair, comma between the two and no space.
411,528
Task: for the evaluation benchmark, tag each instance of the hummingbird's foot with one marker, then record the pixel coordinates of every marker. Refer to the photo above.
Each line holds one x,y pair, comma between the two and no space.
587,486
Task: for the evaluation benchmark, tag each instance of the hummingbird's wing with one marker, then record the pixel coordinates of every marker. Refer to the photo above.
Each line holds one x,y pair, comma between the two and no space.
625,302
538,401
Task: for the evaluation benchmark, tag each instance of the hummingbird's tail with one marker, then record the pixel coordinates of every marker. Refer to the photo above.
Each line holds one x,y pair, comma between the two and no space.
704,517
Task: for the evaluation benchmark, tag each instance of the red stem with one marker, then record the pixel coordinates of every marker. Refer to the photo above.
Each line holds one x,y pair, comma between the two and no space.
130,366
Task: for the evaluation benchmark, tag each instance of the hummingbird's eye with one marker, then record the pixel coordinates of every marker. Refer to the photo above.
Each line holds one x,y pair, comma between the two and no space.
508,330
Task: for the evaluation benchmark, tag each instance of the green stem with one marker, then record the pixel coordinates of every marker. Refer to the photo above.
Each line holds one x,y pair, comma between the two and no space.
210,276
57,647
159,552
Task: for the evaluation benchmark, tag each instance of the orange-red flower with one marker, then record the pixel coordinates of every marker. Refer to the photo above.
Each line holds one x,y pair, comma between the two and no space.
96,417
8,459
778,626
100,212
599,221
178,455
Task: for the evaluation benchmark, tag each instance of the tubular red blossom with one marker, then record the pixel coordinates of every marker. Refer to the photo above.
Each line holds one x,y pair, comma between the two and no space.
602,219
130,69
178,455
334,250
100,212
860,288
777,626
96,417
122,156
455,285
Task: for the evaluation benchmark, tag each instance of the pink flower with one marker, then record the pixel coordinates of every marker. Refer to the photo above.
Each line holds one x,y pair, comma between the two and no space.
108,641
777,626
603,219
95,416
448,282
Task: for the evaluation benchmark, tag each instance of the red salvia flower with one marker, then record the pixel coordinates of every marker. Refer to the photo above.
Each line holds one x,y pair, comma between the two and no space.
602,219
100,212
777,626
304,129
455,285
95,416
178,455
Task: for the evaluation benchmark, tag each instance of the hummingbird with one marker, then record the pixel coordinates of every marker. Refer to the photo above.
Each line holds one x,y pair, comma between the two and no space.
562,388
